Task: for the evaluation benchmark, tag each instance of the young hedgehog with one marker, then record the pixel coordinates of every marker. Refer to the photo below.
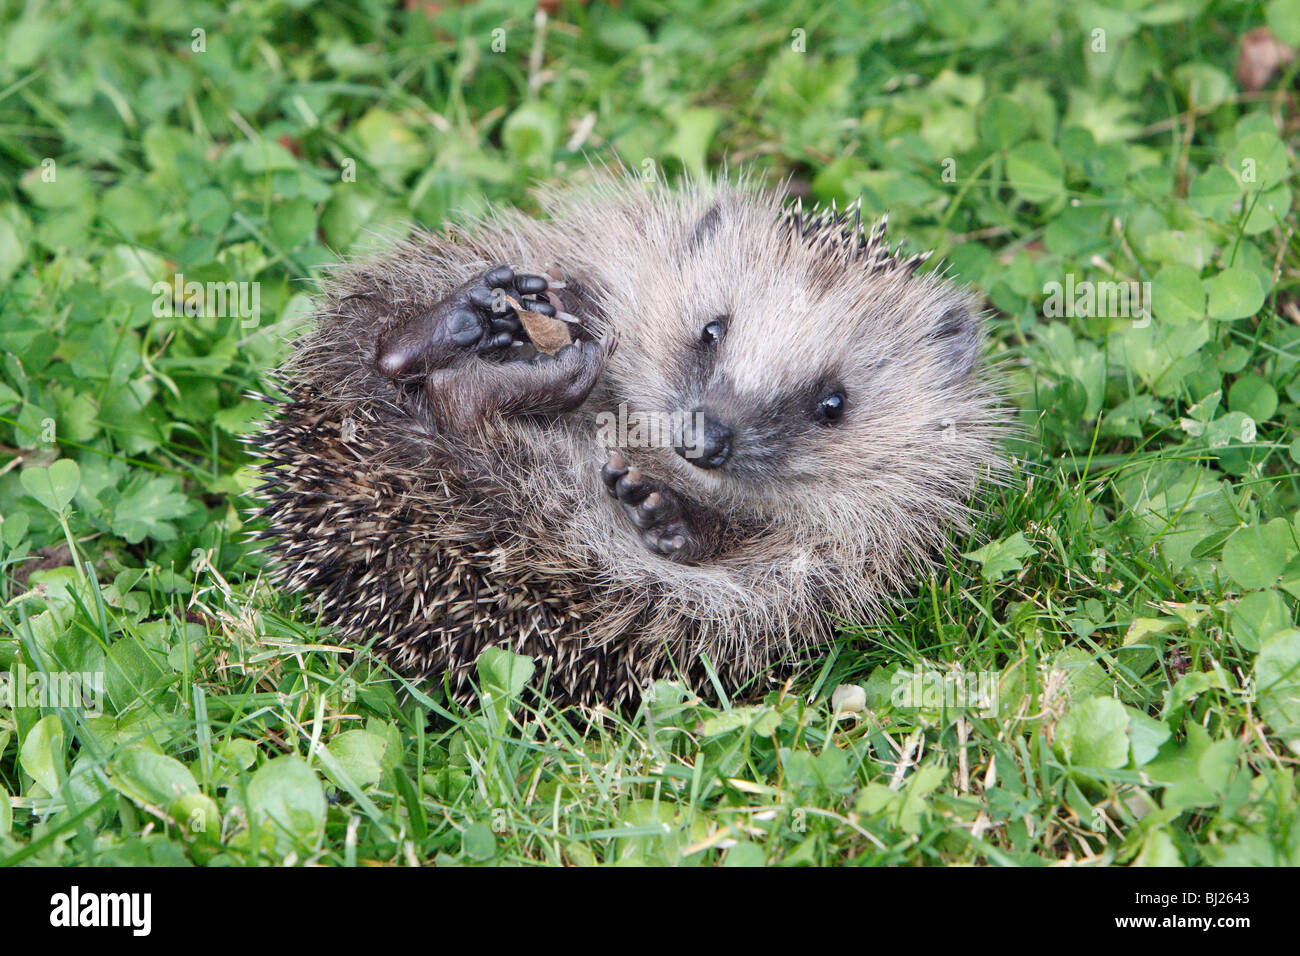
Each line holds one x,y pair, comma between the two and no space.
443,485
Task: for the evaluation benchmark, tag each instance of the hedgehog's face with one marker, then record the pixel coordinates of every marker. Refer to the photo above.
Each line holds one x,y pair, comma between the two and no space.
751,431
810,366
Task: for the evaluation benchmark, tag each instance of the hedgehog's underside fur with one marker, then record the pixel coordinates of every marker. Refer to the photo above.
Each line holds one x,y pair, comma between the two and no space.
434,515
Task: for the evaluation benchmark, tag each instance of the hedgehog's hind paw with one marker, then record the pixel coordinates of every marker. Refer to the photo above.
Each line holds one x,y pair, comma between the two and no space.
475,318
653,507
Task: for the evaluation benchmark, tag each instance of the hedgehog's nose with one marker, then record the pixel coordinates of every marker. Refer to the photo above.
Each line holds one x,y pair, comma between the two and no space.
706,443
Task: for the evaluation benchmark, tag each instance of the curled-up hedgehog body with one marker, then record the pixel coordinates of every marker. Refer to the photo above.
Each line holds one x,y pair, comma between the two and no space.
765,422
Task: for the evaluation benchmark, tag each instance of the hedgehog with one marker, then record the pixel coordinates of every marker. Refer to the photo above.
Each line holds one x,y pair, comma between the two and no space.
766,422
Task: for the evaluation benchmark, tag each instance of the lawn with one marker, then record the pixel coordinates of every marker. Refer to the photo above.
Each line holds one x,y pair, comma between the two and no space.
1109,673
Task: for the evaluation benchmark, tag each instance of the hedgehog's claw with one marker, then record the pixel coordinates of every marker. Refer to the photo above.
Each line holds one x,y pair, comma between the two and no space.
614,469
670,546
652,510
645,511
631,488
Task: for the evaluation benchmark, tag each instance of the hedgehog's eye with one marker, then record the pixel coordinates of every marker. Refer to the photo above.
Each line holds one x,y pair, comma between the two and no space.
831,406
714,331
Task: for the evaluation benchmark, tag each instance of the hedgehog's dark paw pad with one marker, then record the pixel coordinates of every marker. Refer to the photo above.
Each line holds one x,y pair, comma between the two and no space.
464,328
662,522
656,511
490,291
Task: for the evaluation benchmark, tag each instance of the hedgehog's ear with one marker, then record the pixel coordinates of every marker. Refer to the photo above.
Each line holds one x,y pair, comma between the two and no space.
956,341
706,228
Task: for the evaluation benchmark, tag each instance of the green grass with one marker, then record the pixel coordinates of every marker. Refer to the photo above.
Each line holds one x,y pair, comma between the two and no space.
1131,599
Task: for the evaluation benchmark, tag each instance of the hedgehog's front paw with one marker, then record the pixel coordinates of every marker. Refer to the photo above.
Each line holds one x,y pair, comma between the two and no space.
564,380
463,394
653,507
474,319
